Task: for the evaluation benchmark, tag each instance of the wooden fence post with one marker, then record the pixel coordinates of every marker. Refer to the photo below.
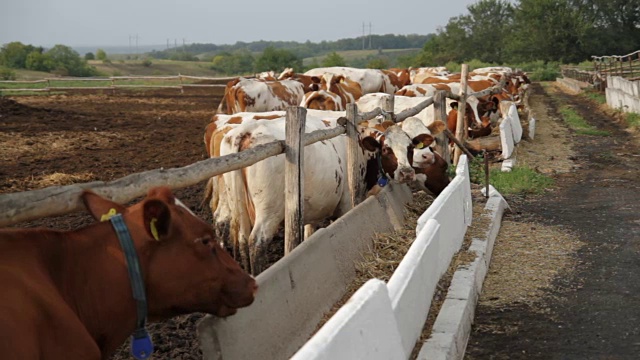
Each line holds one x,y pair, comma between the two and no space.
462,107
440,112
293,177
387,105
353,149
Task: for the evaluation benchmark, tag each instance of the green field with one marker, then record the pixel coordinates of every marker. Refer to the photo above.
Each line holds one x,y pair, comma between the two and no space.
355,55
158,67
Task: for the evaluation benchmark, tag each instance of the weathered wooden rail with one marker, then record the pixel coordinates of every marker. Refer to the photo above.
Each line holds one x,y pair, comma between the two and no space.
48,87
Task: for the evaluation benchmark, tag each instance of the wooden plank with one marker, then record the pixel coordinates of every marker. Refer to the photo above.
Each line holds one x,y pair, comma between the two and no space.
406,113
460,126
60,200
387,107
353,152
440,112
293,178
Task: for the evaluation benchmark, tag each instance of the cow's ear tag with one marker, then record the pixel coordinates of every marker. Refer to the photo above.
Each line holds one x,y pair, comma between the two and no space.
419,145
141,347
382,181
154,229
108,215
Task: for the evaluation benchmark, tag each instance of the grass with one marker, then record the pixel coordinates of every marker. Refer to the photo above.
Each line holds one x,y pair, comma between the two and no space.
578,123
595,95
351,55
520,180
633,120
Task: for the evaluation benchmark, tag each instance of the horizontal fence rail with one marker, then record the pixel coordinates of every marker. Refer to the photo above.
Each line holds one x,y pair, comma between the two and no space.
60,200
113,86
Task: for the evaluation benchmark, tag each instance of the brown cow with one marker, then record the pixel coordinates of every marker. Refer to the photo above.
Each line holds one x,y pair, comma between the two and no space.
336,91
68,295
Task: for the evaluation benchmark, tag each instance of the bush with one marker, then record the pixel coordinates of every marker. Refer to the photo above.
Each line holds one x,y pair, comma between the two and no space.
333,59
146,63
101,55
7,74
89,56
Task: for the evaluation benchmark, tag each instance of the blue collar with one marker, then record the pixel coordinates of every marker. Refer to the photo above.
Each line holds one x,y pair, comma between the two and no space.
383,180
141,345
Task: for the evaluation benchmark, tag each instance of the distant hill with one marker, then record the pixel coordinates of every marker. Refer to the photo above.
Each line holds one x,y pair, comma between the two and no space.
301,50
124,49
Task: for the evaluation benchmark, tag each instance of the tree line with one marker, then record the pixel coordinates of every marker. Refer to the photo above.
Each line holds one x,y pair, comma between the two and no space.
60,59
564,31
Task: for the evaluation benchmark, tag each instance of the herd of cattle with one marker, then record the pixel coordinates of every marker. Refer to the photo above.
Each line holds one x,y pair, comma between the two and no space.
248,205
81,293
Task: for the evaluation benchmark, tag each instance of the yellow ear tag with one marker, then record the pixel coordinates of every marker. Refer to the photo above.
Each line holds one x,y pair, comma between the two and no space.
108,215
154,230
419,145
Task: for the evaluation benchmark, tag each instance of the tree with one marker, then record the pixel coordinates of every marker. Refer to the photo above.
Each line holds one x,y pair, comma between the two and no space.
277,59
39,61
549,30
14,54
68,62
490,26
101,54
237,63
378,63
89,56
333,59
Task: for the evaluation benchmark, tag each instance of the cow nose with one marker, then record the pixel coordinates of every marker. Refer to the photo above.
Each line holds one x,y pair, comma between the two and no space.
407,174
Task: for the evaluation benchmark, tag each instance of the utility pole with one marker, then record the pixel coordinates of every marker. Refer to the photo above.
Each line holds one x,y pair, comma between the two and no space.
129,43
369,35
136,44
363,35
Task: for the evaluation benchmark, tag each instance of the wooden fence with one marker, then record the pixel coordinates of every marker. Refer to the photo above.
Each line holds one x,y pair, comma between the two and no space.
60,200
180,82
626,66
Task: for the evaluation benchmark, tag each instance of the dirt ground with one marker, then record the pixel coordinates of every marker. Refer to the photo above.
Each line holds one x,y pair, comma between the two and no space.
563,282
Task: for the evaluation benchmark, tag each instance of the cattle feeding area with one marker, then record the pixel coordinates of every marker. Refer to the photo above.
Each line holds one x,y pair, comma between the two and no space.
105,140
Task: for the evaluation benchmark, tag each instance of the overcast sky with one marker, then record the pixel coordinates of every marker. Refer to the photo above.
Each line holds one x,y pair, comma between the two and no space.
111,22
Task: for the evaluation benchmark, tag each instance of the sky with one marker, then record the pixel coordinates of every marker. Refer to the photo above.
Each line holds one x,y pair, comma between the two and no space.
117,22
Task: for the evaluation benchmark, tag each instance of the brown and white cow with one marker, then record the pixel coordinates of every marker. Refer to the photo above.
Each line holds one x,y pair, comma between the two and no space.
309,83
255,194
334,94
68,295
370,80
255,95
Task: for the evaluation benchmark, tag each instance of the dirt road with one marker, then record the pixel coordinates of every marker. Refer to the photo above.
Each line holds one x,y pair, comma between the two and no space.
579,297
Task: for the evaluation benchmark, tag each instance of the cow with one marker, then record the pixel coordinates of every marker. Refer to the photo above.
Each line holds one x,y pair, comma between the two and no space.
256,95
398,77
256,193
417,75
334,94
430,167
68,294
309,83
370,80
266,75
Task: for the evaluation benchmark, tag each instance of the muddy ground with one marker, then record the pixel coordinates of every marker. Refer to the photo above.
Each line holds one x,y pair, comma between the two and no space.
587,305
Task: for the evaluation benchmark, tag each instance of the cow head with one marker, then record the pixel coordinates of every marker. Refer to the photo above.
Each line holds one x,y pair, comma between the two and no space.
395,148
423,140
185,269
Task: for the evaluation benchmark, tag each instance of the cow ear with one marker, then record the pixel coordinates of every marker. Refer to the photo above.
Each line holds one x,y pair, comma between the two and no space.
454,105
369,143
100,208
437,127
315,79
156,218
422,141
